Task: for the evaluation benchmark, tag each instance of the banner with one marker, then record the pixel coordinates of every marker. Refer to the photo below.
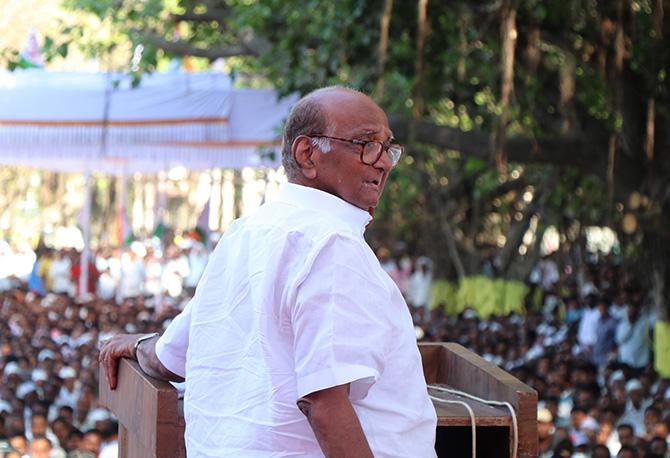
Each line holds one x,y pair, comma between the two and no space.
484,295
662,348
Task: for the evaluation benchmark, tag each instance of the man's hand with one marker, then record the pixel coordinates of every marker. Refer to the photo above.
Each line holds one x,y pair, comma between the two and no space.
123,346
335,423
119,346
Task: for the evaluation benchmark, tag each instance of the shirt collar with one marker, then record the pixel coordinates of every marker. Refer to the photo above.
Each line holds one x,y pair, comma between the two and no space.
323,202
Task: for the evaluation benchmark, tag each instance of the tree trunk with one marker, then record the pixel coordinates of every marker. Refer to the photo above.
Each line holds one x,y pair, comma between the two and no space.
452,245
422,26
651,127
533,49
655,258
462,45
508,38
383,46
567,89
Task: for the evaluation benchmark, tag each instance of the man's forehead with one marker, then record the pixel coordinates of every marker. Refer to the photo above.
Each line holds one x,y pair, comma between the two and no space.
370,133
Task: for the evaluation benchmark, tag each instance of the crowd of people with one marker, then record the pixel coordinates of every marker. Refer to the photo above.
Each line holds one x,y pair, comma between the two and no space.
143,268
585,347
48,356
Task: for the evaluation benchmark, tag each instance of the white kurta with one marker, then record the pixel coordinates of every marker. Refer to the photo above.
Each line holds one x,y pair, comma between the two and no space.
294,301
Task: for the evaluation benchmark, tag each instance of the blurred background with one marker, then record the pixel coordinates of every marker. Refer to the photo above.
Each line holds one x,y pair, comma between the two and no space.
528,220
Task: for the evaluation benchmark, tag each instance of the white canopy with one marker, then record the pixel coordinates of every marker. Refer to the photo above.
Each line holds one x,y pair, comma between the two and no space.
98,122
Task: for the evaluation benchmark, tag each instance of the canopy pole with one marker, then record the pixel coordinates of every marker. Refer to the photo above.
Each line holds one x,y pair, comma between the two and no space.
86,230
121,221
206,216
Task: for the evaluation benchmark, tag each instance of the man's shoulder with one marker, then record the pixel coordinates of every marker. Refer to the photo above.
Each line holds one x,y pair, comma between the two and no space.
307,223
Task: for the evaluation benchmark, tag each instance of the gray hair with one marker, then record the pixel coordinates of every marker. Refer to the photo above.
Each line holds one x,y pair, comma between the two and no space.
322,143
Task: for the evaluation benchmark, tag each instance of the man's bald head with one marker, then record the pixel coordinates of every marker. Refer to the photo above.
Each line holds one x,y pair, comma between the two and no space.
309,116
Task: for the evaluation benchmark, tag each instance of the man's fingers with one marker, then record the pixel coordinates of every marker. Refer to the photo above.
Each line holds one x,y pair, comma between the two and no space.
119,346
112,374
110,370
109,362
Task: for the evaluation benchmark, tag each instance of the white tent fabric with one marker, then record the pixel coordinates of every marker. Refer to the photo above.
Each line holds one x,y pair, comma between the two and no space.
98,122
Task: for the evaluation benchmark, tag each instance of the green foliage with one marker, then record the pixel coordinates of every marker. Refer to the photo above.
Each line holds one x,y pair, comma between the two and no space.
299,45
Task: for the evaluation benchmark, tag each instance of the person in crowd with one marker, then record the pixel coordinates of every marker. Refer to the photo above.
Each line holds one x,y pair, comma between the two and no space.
175,269
39,427
197,261
632,338
91,441
61,429
658,448
605,344
132,275
93,275
60,274
154,271
635,407
600,451
71,388
627,451
545,431
40,447
419,284
549,274
19,442
586,333
110,441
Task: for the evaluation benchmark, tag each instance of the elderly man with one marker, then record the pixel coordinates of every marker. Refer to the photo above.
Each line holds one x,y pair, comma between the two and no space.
296,342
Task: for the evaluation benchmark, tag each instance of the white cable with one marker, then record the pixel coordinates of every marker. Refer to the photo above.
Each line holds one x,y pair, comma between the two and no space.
472,419
515,425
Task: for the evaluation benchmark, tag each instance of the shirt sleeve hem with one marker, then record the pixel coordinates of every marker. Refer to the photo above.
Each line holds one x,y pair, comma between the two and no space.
360,377
171,362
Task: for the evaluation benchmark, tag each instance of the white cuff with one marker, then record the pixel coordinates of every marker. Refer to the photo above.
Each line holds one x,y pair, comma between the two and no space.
174,363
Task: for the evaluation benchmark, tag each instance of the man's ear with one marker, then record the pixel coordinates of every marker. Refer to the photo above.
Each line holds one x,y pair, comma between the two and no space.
303,151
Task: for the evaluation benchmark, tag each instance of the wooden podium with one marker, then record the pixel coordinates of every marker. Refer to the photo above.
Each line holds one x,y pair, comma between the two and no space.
453,366
151,421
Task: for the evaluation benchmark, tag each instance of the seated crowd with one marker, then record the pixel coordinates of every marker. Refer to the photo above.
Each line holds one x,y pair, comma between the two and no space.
585,347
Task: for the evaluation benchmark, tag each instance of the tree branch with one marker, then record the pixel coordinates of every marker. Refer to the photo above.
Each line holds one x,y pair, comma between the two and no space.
247,46
560,150
210,15
587,150
504,188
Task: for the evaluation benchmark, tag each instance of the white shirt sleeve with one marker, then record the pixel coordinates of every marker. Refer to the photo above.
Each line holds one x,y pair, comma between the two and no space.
172,345
338,320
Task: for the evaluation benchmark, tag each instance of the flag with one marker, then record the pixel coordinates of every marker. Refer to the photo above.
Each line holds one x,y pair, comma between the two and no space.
31,54
159,231
124,233
35,283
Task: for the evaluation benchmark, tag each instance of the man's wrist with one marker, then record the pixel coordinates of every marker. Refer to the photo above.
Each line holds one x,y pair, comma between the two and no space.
141,339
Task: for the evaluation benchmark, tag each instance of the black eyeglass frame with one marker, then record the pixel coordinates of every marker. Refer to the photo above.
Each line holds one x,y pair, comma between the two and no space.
394,150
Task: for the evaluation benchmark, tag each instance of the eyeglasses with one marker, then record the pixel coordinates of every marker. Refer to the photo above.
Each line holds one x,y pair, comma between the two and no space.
371,151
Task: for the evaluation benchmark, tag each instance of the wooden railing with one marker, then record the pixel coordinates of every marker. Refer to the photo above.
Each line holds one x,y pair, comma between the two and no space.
151,422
